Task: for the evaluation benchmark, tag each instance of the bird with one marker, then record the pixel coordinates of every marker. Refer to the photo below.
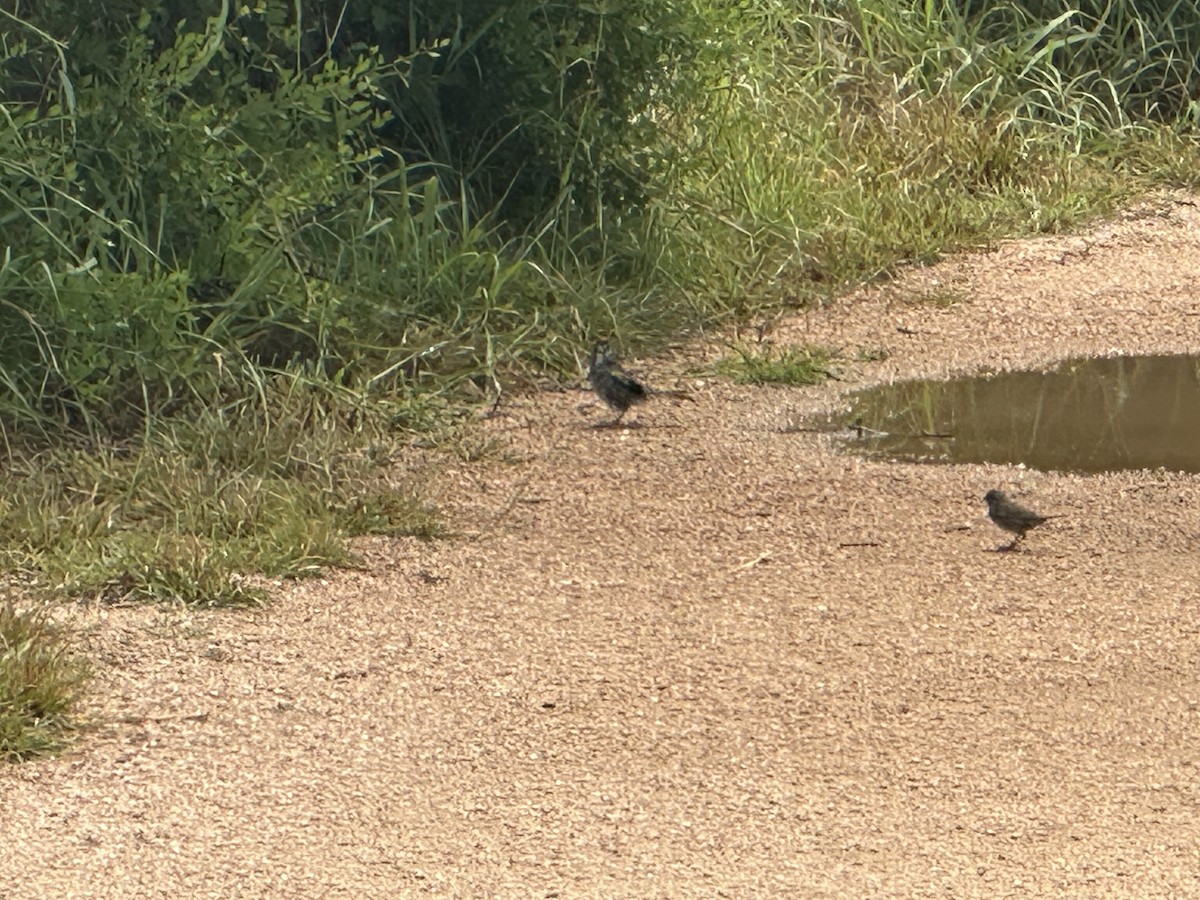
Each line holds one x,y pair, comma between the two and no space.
618,391
1012,516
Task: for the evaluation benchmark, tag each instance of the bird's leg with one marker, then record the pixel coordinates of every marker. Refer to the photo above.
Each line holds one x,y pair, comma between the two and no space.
610,423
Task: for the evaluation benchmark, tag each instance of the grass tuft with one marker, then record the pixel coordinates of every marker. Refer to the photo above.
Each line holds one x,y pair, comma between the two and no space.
39,680
391,513
791,366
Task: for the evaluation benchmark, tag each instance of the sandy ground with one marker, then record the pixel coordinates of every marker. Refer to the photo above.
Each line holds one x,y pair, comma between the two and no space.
710,656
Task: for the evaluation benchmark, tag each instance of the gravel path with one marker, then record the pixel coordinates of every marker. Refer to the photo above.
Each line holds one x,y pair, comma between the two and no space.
708,656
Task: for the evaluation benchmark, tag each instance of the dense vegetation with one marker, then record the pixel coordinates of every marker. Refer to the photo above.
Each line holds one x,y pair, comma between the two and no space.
248,248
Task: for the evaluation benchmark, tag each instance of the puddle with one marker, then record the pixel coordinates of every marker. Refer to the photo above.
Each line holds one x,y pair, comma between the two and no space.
1088,415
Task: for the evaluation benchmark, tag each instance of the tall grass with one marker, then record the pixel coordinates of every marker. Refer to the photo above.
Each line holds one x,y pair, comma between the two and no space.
426,221
870,134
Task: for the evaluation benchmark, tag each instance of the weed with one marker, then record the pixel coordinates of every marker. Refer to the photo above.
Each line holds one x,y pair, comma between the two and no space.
39,679
392,513
791,366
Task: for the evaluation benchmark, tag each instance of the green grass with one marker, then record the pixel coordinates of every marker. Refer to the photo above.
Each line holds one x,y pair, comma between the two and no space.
391,513
889,134
789,366
40,676
193,508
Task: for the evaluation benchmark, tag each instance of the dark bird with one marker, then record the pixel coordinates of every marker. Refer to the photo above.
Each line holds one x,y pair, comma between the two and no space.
618,391
1012,516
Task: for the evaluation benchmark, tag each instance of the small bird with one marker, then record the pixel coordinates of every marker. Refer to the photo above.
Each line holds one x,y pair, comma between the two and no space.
1012,516
618,391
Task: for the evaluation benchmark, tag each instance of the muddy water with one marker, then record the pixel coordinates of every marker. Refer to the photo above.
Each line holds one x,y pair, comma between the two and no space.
1090,415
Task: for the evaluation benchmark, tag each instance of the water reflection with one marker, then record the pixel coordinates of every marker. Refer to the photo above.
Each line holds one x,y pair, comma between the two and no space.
1090,415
